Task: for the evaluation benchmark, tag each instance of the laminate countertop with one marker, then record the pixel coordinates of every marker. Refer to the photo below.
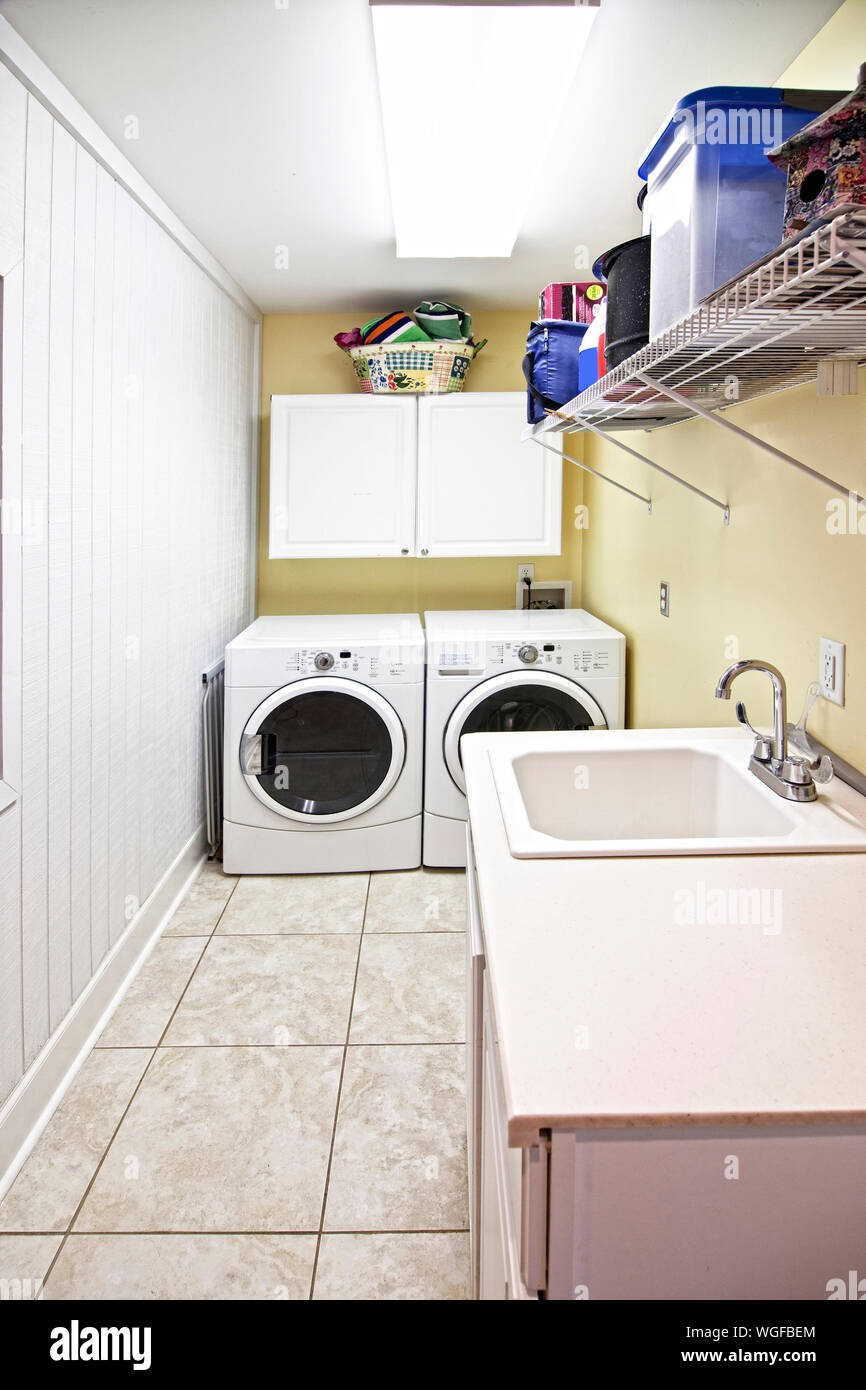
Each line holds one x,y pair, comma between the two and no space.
672,991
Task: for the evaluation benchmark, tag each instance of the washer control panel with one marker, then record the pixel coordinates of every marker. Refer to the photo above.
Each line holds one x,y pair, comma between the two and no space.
572,657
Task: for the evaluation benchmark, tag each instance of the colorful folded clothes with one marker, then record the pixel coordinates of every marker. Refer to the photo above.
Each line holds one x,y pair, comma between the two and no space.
393,328
348,340
443,320
438,321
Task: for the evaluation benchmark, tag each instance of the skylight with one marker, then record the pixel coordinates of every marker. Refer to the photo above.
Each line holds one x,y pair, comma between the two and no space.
471,98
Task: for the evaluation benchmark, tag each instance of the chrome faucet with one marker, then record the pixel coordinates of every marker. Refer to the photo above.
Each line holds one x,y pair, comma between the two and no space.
787,776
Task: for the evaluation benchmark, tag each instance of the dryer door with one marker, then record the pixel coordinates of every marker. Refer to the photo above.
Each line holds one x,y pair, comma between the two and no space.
322,749
518,702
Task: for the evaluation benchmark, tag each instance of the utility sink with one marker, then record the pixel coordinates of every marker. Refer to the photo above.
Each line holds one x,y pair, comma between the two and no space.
638,792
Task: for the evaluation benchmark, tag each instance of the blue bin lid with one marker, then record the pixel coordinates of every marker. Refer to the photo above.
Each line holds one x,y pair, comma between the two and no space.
712,96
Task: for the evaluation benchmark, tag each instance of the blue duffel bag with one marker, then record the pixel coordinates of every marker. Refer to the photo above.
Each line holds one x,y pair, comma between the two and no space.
551,365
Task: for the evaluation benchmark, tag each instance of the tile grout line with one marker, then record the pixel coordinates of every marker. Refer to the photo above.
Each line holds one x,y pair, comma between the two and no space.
339,1093
282,1047
95,1174
242,935
363,1231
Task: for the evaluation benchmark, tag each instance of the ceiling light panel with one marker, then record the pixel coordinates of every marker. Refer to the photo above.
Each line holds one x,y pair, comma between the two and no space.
468,117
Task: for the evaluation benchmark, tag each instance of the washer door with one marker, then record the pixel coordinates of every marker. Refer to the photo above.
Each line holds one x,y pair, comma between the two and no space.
322,749
518,702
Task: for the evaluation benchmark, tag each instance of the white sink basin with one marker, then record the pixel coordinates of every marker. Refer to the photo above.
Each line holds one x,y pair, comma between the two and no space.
655,792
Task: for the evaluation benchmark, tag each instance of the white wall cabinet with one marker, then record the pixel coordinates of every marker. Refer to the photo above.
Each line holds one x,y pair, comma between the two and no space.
482,490
342,476
435,476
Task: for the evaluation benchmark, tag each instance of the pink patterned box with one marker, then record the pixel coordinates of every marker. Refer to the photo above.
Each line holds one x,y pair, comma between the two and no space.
578,302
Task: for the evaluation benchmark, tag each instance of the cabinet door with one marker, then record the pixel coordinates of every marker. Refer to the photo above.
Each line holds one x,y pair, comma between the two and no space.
495,1261
481,489
342,476
501,1194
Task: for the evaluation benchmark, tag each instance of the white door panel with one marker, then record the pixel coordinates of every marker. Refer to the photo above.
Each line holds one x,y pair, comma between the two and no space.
481,489
342,476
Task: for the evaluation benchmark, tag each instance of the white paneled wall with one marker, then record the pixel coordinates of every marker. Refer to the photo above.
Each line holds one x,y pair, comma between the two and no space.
128,420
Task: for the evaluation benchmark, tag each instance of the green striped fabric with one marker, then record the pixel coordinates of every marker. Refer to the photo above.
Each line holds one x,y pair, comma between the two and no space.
443,320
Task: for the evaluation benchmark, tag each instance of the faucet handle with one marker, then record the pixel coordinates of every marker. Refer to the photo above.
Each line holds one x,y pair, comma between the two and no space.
823,770
763,749
796,771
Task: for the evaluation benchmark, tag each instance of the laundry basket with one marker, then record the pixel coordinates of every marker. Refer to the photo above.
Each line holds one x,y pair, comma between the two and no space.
430,369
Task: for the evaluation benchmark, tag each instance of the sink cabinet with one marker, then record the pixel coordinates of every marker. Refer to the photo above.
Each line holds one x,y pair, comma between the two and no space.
429,477
710,1211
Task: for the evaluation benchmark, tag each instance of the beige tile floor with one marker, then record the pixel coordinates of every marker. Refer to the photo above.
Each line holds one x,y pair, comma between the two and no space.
274,1111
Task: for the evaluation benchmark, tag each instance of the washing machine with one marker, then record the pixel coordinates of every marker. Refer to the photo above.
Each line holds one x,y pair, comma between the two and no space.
324,722
508,671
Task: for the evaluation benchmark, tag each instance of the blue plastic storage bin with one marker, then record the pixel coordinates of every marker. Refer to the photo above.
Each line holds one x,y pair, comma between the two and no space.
717,201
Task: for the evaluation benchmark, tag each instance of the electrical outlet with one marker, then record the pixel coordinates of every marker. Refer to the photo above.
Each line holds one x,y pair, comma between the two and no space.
665,598
831,670
525,572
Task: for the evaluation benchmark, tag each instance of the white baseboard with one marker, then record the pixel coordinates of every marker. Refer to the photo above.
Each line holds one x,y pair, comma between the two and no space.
28,1109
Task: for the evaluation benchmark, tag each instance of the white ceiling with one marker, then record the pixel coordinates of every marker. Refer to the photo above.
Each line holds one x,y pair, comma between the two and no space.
260,127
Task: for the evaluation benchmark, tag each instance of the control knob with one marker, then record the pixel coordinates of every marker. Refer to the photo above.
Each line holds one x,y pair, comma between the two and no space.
323,661
528,654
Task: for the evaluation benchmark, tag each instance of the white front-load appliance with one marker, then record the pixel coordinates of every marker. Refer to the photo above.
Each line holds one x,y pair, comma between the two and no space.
508,671
324,722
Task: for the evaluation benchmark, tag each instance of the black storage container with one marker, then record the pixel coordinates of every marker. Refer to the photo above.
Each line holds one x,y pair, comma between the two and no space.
626,268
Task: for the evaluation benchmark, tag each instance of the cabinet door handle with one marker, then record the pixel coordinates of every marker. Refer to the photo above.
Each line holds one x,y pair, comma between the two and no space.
425,552
533,1216
405,550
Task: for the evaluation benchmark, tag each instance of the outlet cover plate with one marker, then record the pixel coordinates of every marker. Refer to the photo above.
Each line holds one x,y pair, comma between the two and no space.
831,670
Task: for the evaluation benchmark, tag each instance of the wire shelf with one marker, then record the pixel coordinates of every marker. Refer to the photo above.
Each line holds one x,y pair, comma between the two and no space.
762,333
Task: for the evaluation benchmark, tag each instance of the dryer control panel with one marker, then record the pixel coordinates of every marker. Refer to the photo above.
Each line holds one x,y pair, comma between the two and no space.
369,664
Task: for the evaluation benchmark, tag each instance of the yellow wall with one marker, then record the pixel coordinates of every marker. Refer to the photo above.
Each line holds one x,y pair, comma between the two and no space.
769,585
299,355
773,582
832,58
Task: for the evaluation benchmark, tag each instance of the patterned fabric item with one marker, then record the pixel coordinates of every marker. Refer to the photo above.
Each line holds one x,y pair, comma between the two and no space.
825,162
393,328
443,320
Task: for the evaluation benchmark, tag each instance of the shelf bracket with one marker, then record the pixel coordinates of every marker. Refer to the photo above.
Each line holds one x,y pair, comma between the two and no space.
586,468
642,458
706,414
